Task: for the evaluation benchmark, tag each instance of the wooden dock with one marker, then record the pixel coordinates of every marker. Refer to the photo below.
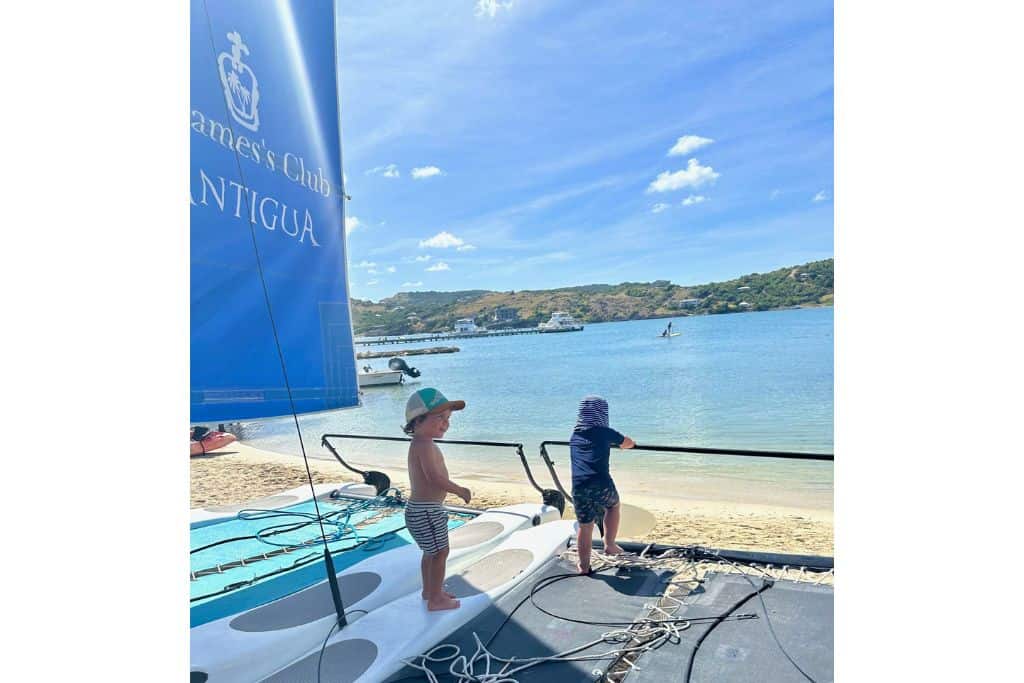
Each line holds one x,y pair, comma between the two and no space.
448,336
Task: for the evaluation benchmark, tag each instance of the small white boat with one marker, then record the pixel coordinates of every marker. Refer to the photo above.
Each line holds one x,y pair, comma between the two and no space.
560,322
369,377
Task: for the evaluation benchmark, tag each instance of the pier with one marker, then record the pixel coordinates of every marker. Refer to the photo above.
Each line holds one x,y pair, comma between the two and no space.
446,336
407,352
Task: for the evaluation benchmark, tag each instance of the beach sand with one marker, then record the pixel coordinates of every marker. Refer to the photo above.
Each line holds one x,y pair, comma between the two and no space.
240,473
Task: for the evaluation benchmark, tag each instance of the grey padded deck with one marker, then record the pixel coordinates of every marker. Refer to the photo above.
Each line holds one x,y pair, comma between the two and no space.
307,605
488,572
343,662
473,534
801,614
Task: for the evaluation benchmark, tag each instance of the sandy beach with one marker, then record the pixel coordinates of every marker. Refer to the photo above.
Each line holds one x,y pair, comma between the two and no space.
239,473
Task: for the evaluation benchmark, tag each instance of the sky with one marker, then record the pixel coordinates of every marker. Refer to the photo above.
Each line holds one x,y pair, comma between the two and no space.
534,144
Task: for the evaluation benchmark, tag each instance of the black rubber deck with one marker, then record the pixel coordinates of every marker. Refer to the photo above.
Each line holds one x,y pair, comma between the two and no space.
801,615
606,597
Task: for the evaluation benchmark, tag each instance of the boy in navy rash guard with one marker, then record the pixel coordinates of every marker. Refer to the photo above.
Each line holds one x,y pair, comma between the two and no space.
593,491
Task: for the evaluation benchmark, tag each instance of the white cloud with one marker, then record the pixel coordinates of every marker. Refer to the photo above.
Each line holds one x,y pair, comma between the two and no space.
389,171
440,265
489,8
425,172
442,240
412,284
351,223
687,144
775,194
659,207
391,269
371,271
425,257
694,175
372,282
820,197
365,264
694,199
466,247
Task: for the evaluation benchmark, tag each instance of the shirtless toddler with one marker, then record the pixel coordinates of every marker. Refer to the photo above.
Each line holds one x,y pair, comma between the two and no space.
426,419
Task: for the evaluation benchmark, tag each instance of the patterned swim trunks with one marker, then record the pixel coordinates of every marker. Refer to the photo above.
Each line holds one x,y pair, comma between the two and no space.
592,500
427,523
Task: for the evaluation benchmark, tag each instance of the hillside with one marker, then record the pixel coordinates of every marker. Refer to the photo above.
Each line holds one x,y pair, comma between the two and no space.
410,312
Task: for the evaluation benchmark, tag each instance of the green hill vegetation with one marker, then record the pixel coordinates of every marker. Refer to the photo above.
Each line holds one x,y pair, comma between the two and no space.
413,312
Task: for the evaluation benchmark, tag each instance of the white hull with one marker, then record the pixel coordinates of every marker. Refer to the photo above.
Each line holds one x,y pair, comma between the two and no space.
248,646
300,494
371,379
373,648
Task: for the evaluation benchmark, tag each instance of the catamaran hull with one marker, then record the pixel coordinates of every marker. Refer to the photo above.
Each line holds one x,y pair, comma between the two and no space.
247,646
374,647
299,494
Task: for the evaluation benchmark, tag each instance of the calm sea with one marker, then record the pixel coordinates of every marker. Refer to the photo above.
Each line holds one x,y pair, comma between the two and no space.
753,380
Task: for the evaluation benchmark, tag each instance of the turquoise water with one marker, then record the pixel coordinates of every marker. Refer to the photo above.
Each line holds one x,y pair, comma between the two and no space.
754,380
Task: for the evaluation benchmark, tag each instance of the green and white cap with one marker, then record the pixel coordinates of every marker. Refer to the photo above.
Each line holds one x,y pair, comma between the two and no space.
426,401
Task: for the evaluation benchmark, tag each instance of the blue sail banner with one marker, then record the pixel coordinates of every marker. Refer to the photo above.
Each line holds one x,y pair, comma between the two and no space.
268,262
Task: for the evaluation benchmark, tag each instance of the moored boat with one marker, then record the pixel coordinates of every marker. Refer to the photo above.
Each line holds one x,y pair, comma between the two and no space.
560,322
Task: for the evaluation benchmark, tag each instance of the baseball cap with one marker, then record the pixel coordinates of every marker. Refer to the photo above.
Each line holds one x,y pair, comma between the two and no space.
426,401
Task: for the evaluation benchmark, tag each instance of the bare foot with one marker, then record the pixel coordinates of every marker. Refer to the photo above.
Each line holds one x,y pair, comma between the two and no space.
442,603
450,595
582,571
613,549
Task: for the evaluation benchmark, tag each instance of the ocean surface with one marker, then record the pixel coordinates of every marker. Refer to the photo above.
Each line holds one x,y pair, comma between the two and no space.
761,380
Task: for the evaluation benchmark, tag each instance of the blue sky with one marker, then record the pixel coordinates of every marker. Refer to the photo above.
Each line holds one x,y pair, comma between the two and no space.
530,144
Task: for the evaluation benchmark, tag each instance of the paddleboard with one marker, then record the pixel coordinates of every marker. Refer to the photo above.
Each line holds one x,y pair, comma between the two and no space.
666,336
300,494
373,648
634,522
251,644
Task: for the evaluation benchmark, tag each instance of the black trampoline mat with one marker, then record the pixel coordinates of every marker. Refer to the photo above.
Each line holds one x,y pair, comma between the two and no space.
744,650
615,595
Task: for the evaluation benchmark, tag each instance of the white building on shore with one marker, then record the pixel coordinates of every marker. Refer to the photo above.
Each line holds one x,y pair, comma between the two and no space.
465,325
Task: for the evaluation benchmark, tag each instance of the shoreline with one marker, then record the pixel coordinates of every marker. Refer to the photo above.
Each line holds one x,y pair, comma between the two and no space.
363,335
240,472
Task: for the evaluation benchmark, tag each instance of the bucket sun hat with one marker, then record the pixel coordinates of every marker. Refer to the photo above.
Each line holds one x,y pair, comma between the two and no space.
427,401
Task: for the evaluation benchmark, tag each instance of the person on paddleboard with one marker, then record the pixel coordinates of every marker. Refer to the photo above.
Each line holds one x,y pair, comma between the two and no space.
593,492
426,418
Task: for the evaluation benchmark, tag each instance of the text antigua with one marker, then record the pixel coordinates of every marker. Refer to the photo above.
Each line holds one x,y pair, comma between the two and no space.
291,165
268,211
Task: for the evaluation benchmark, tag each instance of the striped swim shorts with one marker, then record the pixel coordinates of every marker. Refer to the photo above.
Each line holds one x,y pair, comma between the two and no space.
427,523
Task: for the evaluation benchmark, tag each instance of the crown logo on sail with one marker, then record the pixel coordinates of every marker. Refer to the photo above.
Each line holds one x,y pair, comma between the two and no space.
240,87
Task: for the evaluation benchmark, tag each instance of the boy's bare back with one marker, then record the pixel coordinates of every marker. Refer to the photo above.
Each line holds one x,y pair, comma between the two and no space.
426,459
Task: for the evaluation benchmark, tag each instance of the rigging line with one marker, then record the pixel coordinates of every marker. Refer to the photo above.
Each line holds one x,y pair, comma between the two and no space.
771,629
693,654
277,342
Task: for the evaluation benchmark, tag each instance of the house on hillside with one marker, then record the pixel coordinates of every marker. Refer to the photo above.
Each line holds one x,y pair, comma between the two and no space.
505,314
688,303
